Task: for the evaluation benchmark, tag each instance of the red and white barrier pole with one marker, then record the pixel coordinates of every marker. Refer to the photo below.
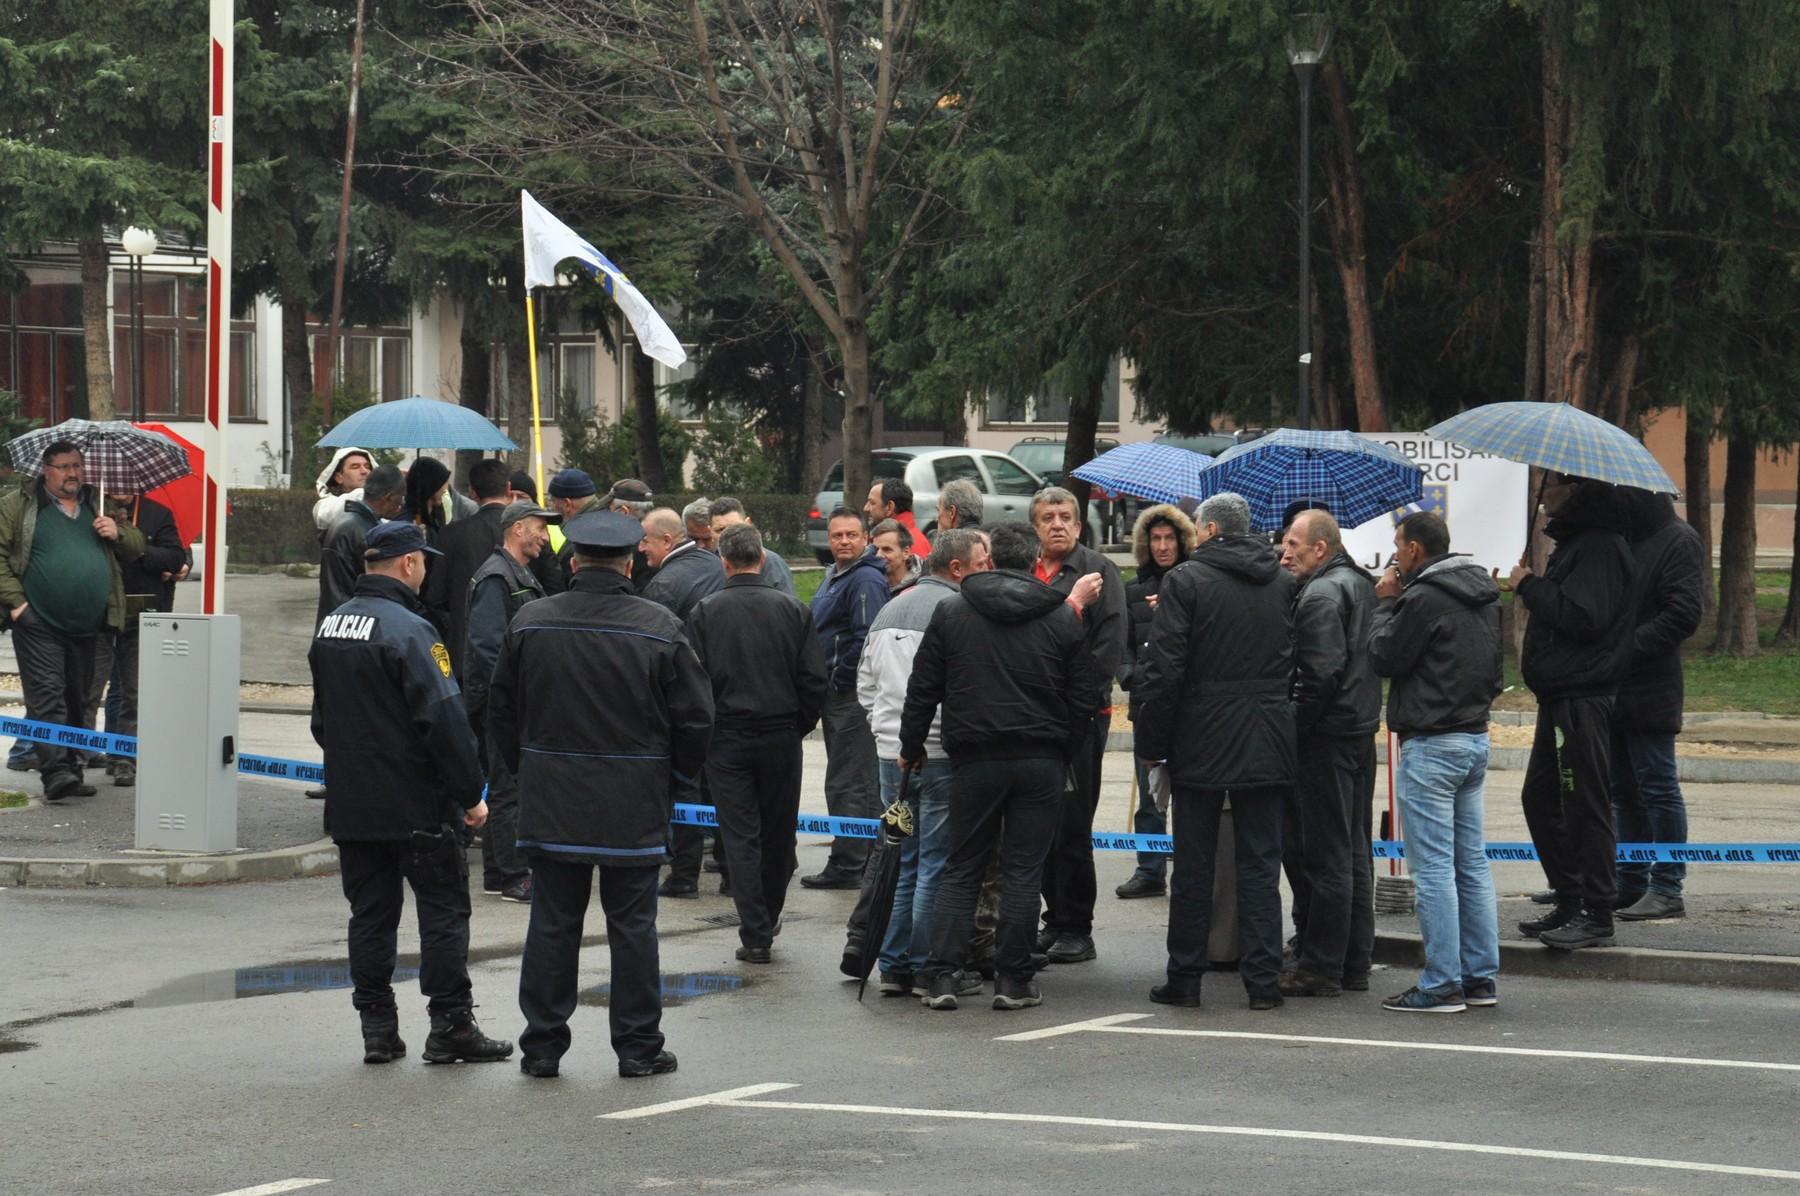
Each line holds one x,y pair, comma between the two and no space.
218,300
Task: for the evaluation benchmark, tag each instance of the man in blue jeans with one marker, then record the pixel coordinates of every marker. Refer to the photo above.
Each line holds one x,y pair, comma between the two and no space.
881,680
1436,635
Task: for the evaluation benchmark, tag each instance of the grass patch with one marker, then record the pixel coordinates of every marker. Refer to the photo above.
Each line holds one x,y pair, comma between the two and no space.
12,799
807,583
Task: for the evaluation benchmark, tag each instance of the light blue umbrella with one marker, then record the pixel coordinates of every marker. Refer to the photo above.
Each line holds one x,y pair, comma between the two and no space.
418,424
1154,472
1351,476
1559,437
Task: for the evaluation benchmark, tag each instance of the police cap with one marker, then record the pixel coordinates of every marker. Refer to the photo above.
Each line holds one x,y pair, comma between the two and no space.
603,533
396,538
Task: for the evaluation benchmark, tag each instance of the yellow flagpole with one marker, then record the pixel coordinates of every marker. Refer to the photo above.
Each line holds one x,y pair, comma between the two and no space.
537,429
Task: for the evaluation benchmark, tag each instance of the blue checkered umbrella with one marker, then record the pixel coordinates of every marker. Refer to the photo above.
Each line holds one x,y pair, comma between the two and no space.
1154,472
1559,437
417,423
1353,477
117,455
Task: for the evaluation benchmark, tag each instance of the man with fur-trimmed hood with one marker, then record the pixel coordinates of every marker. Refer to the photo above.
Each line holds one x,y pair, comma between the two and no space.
1161,539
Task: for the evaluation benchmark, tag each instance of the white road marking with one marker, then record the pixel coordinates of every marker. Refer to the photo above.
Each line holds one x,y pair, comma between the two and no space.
1116,1024
734,1099
692,1102
280,1185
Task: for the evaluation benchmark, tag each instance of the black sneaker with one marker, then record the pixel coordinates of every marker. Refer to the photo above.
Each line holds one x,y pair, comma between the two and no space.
1170,993
896,984
831,880
382,1045
1484,993
677,888
82,789
124,774
754,955
539,1069
1016,992
1047,938
1585,931
1419,1000
58,785
1141,886
970,984
1560,916
1308,984
659,1064
457,1038
316,794
942,994
1265,1001
1071,948
1544,897
1356,984
518,890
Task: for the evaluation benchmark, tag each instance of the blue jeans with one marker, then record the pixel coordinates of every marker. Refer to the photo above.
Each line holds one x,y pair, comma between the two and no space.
1440,785
1148,820
922,857
1647,807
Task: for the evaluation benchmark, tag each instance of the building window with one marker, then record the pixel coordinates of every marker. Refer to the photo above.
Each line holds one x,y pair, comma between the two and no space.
578,363
375,361
1042,409
675,399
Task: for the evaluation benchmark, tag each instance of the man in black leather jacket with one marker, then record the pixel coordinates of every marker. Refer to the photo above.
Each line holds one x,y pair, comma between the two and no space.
1337,705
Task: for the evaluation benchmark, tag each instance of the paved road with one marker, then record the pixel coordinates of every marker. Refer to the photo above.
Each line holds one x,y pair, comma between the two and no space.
157,1044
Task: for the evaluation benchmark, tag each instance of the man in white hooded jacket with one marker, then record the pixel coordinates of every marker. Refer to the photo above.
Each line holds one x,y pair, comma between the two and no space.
340,481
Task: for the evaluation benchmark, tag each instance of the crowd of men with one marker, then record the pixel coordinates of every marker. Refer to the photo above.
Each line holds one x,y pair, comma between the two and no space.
969,670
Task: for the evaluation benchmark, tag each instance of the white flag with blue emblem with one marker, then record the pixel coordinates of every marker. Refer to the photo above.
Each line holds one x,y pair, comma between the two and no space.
549,241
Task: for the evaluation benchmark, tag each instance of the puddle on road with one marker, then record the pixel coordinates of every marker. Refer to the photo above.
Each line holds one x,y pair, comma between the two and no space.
677,987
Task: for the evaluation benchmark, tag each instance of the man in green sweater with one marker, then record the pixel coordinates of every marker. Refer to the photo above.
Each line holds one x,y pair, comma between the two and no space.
60,585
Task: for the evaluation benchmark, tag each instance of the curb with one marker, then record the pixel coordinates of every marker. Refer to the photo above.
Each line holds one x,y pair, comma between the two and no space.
318,858
1716,968
1700,770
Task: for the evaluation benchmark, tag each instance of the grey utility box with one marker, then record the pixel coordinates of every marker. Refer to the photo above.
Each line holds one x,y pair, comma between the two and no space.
187,732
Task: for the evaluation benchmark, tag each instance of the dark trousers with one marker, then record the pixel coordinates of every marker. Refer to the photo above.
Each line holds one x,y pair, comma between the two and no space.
1016,801
687,844
502,863
1069,872
851,783
1567,797
1647,806
755,784
1256,827
115,679
560,891
372,872
1337,931
56,671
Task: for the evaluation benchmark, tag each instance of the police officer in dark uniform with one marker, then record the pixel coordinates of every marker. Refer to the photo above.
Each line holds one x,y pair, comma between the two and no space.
403,765
599,707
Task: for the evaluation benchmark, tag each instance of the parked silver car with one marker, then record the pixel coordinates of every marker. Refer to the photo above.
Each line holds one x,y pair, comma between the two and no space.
1006,487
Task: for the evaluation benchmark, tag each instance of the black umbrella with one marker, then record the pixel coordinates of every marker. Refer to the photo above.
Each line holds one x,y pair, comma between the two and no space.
883,877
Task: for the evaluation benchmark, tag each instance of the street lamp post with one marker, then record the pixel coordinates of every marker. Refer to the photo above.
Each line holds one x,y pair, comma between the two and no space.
1308,41
139,243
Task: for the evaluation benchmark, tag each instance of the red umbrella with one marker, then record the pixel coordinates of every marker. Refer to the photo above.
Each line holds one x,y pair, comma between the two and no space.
185,497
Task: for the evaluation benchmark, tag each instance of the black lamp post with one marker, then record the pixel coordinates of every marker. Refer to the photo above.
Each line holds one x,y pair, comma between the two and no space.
1308,41
139,243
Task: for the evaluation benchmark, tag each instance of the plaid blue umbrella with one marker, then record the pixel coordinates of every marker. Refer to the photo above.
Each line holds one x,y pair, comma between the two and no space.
118,457
1351,476
1154,472
1559,437
417,423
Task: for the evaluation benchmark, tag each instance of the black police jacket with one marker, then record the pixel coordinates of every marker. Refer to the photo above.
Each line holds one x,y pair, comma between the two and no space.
1668,592
760,652
1007,660
1211,692
399,754
597,705
1440,642
1335,691
1578,641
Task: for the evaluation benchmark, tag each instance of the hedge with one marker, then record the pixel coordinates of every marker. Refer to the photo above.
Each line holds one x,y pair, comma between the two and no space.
275,527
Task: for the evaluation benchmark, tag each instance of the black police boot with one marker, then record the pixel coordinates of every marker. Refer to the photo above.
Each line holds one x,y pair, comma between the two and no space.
1560,915
381,1037
457,1037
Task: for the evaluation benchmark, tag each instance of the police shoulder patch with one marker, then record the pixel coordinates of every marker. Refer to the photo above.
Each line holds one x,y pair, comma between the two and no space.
442,655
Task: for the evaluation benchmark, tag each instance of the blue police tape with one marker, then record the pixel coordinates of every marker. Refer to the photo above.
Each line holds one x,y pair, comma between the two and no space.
268,767
277,769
